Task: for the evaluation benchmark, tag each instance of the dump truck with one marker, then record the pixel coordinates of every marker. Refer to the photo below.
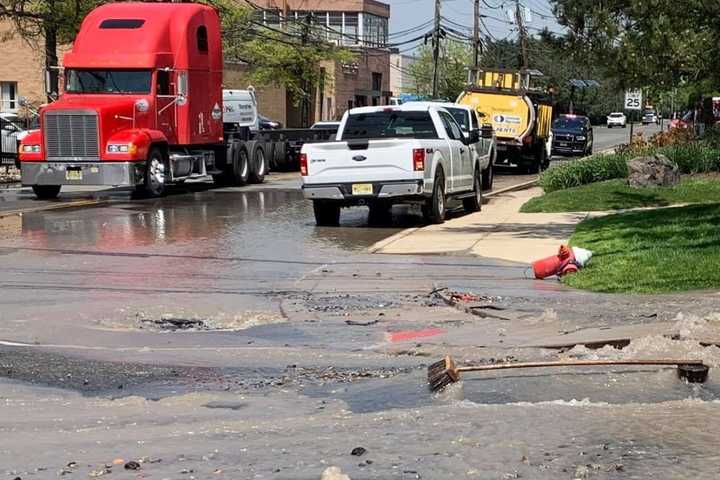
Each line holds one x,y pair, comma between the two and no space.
520,115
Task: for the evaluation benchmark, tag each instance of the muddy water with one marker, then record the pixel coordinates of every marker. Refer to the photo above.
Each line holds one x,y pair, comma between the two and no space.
272,223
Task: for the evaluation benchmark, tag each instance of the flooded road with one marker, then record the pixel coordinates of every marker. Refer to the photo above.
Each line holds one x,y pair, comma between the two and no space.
217,333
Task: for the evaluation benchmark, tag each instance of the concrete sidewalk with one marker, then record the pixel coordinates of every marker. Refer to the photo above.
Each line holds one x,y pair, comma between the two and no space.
498,231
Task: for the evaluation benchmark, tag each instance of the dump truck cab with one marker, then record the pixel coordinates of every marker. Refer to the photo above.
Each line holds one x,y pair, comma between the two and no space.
141,104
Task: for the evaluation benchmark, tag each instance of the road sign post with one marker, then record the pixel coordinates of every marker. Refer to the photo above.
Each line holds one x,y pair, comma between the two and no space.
633,102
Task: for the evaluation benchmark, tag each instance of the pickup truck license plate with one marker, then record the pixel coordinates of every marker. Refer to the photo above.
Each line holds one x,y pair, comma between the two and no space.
73,174
563,144
362,189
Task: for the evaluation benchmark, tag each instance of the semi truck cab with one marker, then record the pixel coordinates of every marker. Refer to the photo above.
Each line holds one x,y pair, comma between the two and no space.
141,106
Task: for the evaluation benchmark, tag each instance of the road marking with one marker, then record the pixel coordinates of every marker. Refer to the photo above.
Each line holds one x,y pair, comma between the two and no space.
56,206
405,335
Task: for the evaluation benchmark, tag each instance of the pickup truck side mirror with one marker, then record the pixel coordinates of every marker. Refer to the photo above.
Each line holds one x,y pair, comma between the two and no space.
473,137
486,131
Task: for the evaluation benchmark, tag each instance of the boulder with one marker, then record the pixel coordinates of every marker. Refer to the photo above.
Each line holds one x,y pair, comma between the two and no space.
653,171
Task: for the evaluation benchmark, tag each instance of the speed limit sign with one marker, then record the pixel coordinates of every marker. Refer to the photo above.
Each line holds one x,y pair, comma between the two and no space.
633,100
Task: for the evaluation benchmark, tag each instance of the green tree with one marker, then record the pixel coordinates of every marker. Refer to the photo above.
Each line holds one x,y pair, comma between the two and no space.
657,44
288,57
455,57
47,22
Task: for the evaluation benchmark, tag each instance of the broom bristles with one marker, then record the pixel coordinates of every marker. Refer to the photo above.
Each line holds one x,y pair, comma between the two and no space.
441,374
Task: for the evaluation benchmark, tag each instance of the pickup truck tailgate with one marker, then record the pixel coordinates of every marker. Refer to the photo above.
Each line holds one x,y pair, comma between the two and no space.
361,161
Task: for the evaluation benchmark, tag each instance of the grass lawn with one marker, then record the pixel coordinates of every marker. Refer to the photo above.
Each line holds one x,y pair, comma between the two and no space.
615,194
653,251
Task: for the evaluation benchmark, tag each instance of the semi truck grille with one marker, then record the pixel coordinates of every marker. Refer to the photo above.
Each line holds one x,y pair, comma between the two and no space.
71,135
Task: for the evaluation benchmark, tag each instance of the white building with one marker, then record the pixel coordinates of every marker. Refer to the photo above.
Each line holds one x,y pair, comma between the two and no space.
401,81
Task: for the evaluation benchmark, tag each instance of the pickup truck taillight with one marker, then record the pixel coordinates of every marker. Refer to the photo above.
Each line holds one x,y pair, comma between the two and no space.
418,159
303,164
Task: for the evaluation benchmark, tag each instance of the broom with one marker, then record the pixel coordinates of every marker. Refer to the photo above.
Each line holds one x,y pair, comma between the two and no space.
443,373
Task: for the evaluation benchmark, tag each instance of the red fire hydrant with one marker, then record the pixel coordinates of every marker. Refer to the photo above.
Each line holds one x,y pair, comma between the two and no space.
560,264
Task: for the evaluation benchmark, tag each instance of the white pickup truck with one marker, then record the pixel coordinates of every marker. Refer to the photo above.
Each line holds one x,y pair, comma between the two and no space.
412,153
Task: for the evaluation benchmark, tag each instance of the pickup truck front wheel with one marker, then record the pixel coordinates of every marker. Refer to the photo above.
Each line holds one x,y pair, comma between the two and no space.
474,203
327,214
434,208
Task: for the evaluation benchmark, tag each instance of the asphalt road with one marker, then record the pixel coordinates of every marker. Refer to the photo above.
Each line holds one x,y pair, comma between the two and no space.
217,333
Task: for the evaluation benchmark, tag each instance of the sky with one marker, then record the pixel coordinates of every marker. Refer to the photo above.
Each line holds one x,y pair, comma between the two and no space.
406,14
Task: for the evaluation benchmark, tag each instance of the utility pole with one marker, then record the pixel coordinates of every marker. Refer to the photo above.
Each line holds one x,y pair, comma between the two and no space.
306,86
522,36
286,14
476,37
436,50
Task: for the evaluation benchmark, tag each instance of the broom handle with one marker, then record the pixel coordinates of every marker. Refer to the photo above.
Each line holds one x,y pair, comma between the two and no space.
576,363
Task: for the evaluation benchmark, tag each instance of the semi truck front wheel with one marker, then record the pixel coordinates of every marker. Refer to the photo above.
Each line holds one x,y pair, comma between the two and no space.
155,180
46,192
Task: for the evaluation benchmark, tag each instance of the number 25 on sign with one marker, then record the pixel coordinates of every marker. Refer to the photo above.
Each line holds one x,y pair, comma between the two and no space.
633,100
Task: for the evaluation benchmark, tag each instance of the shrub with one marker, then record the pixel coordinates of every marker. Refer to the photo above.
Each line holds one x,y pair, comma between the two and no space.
695,157
581,172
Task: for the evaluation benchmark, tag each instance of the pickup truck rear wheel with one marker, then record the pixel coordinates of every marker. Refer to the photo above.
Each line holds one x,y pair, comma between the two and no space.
474,203
434,208
327,214
379,213
46,192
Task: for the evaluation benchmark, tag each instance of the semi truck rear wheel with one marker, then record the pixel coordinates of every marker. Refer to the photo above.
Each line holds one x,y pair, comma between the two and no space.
327,213
46,192
258,165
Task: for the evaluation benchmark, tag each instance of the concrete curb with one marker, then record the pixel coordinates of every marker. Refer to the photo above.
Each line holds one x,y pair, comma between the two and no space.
57,206
391,239
512,188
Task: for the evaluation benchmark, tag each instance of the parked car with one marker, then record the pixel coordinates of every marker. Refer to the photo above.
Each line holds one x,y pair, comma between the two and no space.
616,119
267,124
650,117
572,135
12,131
384,155
329,126
485,150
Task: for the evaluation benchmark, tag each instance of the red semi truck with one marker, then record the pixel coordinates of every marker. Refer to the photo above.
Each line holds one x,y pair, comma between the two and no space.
142,106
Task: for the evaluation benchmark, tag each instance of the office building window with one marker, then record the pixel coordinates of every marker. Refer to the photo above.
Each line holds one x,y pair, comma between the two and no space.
375,30
8,97
377,81
351,29
335,27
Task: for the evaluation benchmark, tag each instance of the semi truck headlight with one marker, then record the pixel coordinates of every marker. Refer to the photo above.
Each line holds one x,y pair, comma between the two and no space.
31,148
118,148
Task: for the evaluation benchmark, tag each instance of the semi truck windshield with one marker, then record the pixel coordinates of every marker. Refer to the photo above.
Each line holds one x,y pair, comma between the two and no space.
108,81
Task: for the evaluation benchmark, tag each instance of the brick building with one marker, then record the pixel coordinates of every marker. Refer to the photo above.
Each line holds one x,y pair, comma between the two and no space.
360,25
21,70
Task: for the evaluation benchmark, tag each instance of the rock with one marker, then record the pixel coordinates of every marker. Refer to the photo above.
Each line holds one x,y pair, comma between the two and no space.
653,171
132,465
358,451
333,473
